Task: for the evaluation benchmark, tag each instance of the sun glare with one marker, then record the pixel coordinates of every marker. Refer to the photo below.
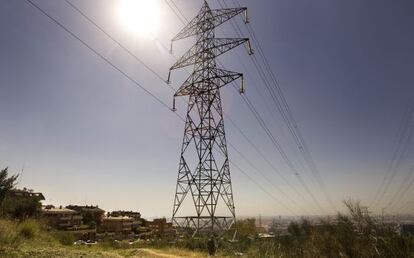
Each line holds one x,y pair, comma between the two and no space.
140,16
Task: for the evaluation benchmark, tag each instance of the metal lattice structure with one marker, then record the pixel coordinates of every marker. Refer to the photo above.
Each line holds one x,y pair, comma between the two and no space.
204,165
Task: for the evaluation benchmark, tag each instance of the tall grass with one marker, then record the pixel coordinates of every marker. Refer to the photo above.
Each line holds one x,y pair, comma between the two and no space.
8,233
64,238
13,233
28,229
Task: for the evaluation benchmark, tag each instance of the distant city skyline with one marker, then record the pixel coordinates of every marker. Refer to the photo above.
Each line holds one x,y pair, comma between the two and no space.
80,132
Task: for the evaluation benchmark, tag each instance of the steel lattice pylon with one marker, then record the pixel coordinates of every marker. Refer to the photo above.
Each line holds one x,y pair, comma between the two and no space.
204,165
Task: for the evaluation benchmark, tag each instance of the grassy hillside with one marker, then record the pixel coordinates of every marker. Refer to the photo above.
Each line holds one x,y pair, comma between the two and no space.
355,234
31,239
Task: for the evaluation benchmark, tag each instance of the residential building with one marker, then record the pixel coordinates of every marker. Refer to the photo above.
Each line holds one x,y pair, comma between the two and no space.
121,225
160,226
131,214
92,215
67,220
62,218
26,193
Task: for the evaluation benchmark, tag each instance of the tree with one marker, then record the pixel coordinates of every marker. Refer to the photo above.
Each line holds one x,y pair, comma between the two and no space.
6,183
21,207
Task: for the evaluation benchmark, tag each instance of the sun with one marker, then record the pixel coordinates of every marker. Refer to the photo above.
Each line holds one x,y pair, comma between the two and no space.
141,17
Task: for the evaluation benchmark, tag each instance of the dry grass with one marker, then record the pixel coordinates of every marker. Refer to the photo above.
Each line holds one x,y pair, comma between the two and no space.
30,239
168,253
85,252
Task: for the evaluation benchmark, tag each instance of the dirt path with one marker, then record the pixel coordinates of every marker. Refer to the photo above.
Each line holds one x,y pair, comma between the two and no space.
157,253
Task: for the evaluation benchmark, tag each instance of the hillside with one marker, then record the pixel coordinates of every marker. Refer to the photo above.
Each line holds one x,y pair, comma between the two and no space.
31,239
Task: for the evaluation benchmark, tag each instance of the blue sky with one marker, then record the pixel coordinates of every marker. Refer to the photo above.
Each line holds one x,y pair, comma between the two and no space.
86,135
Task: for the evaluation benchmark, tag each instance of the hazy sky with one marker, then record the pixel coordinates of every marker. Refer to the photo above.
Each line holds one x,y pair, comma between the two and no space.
87,135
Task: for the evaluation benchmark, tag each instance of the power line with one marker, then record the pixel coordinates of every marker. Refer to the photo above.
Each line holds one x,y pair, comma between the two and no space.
179,11
404,137
99,55
284,109
114,40
264,79
264,176
402,191
266,82
130,79
280,149
264,157
405,207
288,117
261,187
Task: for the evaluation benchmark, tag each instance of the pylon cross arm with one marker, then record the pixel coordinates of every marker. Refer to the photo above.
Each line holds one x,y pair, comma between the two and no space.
195,84
208,16
218,45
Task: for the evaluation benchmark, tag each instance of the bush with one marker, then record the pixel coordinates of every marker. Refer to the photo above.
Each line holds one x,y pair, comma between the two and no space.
65,238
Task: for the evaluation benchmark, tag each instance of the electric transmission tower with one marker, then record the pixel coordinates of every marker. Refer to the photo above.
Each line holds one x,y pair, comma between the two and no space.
204,174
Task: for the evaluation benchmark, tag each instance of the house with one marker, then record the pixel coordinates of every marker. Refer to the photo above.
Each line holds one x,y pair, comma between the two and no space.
65,219
92,215
62,218
26,193
160,226
136,224
119,226
131,214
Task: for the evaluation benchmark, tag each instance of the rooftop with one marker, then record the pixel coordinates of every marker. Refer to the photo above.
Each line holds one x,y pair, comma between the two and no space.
119,218
27,193
85,208
60,210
